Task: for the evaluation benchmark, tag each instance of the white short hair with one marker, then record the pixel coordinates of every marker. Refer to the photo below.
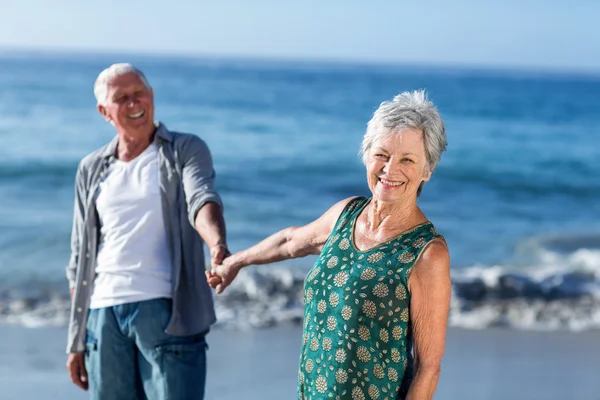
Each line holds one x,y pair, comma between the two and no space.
101,84
408,110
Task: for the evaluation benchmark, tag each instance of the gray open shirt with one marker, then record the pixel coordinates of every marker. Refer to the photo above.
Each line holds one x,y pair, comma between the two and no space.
186,184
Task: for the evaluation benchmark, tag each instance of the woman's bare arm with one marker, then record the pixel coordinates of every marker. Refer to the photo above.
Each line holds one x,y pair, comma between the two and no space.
430,289
292,242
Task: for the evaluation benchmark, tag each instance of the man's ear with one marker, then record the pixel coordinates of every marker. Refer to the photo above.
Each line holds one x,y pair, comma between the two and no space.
104,112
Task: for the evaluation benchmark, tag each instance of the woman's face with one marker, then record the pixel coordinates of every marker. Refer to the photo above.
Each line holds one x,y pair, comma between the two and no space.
397,165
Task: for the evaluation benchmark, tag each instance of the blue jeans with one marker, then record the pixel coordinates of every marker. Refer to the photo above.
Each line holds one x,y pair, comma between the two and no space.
129,355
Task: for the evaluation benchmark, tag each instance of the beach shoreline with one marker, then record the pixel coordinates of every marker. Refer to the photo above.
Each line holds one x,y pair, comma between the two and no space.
489,364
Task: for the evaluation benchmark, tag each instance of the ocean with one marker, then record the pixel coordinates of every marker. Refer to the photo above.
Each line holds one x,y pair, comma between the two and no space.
515,195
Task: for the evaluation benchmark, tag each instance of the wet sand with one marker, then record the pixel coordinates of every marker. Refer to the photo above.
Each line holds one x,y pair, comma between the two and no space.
492,364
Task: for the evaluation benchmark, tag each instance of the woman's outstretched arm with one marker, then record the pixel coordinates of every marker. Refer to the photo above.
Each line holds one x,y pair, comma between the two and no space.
292,242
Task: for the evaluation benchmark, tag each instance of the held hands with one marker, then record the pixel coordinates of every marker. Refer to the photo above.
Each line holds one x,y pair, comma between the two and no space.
218,253
223,271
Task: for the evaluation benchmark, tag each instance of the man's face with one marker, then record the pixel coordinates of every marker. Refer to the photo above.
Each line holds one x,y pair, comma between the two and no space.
129,105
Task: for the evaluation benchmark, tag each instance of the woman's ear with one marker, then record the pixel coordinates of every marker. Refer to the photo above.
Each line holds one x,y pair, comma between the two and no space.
427,174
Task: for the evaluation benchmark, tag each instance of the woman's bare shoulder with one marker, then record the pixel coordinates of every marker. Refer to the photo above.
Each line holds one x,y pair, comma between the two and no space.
434,261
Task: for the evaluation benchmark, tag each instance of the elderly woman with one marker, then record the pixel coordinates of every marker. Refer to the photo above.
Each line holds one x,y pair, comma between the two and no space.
377,299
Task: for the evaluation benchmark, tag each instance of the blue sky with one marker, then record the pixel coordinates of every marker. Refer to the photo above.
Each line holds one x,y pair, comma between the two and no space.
555,35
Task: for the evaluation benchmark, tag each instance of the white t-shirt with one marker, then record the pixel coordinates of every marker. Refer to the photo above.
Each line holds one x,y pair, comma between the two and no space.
134,262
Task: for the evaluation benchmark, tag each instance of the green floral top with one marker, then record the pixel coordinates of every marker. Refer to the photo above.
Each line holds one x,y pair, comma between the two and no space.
357,341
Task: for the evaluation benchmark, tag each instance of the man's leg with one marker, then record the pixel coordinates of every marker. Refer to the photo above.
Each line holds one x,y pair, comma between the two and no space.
171,367
110,358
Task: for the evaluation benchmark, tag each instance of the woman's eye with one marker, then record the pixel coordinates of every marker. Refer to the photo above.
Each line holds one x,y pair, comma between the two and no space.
379,155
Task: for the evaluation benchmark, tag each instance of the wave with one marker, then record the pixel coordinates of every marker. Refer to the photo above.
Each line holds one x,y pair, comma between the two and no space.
550,182
35,305
38,171
562,293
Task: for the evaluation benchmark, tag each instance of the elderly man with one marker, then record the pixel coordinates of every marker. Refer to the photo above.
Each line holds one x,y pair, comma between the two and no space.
141,306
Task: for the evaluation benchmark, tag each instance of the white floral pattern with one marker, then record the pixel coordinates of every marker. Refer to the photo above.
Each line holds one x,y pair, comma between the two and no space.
356,315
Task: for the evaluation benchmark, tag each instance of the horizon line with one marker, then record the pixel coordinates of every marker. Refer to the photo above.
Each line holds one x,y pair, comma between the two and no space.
531,69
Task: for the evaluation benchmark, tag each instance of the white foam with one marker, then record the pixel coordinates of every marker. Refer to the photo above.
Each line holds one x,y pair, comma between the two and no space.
558,291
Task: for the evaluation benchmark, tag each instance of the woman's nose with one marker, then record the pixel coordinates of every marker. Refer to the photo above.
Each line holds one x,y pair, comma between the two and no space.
390,168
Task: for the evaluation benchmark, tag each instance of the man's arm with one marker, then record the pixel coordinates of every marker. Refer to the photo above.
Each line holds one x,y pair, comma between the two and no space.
205,208
75,362
210,225
77,229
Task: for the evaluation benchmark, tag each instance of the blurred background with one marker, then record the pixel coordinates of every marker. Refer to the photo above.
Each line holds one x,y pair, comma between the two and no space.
282,92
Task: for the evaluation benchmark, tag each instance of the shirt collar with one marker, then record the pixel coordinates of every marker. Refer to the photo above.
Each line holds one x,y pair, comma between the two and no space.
161,133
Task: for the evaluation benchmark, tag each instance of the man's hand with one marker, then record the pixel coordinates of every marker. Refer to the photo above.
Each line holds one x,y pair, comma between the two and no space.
77,371
218,253
222,275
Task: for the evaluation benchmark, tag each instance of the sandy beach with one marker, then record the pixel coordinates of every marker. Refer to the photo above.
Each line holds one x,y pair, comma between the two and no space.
261,364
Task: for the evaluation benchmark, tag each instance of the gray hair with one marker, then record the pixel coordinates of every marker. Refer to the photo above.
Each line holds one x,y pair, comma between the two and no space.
101,84
408,110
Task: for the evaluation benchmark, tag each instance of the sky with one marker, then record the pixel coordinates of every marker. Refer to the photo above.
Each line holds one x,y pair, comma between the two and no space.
543,34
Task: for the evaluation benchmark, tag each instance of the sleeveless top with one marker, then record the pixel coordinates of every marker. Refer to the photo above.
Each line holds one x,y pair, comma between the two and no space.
357,339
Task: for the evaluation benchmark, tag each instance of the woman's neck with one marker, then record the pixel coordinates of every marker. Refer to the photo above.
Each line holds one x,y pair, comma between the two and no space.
392,217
